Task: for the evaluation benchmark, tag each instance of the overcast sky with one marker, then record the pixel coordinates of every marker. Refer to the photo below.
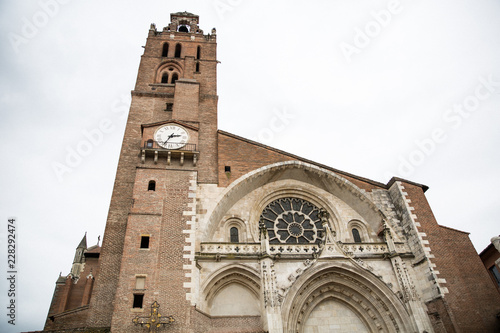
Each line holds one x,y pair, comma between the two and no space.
375,88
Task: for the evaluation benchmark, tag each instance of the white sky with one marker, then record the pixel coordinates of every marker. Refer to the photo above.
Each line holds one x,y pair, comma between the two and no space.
67,68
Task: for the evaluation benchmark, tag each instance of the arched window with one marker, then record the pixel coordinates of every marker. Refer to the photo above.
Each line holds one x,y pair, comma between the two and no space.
164,78
198,52
233,232
149,144
165,50
175,77
356,236
183,28
152,185
178,49
197,66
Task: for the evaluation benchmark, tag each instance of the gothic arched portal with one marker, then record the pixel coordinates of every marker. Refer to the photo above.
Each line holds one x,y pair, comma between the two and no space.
334,314
364,298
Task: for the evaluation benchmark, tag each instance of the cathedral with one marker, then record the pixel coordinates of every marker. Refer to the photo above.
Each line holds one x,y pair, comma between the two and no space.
211,232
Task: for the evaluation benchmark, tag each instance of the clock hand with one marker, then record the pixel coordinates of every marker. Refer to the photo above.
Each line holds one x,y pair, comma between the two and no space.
172,136
169,137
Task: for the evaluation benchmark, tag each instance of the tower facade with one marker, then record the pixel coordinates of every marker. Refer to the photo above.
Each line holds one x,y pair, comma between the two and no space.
169,146
211,232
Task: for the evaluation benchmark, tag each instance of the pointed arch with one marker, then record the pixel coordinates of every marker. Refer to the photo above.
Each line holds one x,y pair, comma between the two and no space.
175,77
296,170
166,70
375,304
230,276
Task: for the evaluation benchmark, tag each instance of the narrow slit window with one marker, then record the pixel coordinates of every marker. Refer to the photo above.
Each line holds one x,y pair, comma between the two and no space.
175,77
233,232
197,67
144,242
138,299
178,49
164,78
198,52
164,52
152,185
356,236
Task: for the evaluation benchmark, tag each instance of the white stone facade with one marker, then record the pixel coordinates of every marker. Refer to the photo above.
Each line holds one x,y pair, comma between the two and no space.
332,285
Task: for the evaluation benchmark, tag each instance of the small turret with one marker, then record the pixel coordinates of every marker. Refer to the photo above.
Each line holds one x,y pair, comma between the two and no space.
79,260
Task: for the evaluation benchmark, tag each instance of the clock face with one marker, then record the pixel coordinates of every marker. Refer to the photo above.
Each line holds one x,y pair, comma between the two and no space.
171,137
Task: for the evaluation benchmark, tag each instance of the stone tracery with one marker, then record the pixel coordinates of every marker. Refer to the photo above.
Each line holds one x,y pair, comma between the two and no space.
292,220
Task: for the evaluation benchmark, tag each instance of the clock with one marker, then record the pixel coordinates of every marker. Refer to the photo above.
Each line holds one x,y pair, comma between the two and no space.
171,137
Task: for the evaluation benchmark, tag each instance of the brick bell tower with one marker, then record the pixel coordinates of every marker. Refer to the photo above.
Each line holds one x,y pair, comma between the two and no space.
169,146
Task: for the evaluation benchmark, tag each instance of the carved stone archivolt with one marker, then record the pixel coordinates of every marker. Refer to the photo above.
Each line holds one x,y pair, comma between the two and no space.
231,274
326,180
373,302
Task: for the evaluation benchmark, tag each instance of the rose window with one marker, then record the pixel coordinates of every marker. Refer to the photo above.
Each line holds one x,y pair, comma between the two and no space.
291,220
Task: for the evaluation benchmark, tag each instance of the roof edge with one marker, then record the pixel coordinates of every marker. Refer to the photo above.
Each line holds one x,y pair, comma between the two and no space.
397,179
461,231
178,122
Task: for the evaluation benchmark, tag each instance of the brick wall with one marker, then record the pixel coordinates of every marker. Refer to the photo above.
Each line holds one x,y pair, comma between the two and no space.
148,99
472,299
70,296
204,323
244,155
68,320
163,263
152,59
439,314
